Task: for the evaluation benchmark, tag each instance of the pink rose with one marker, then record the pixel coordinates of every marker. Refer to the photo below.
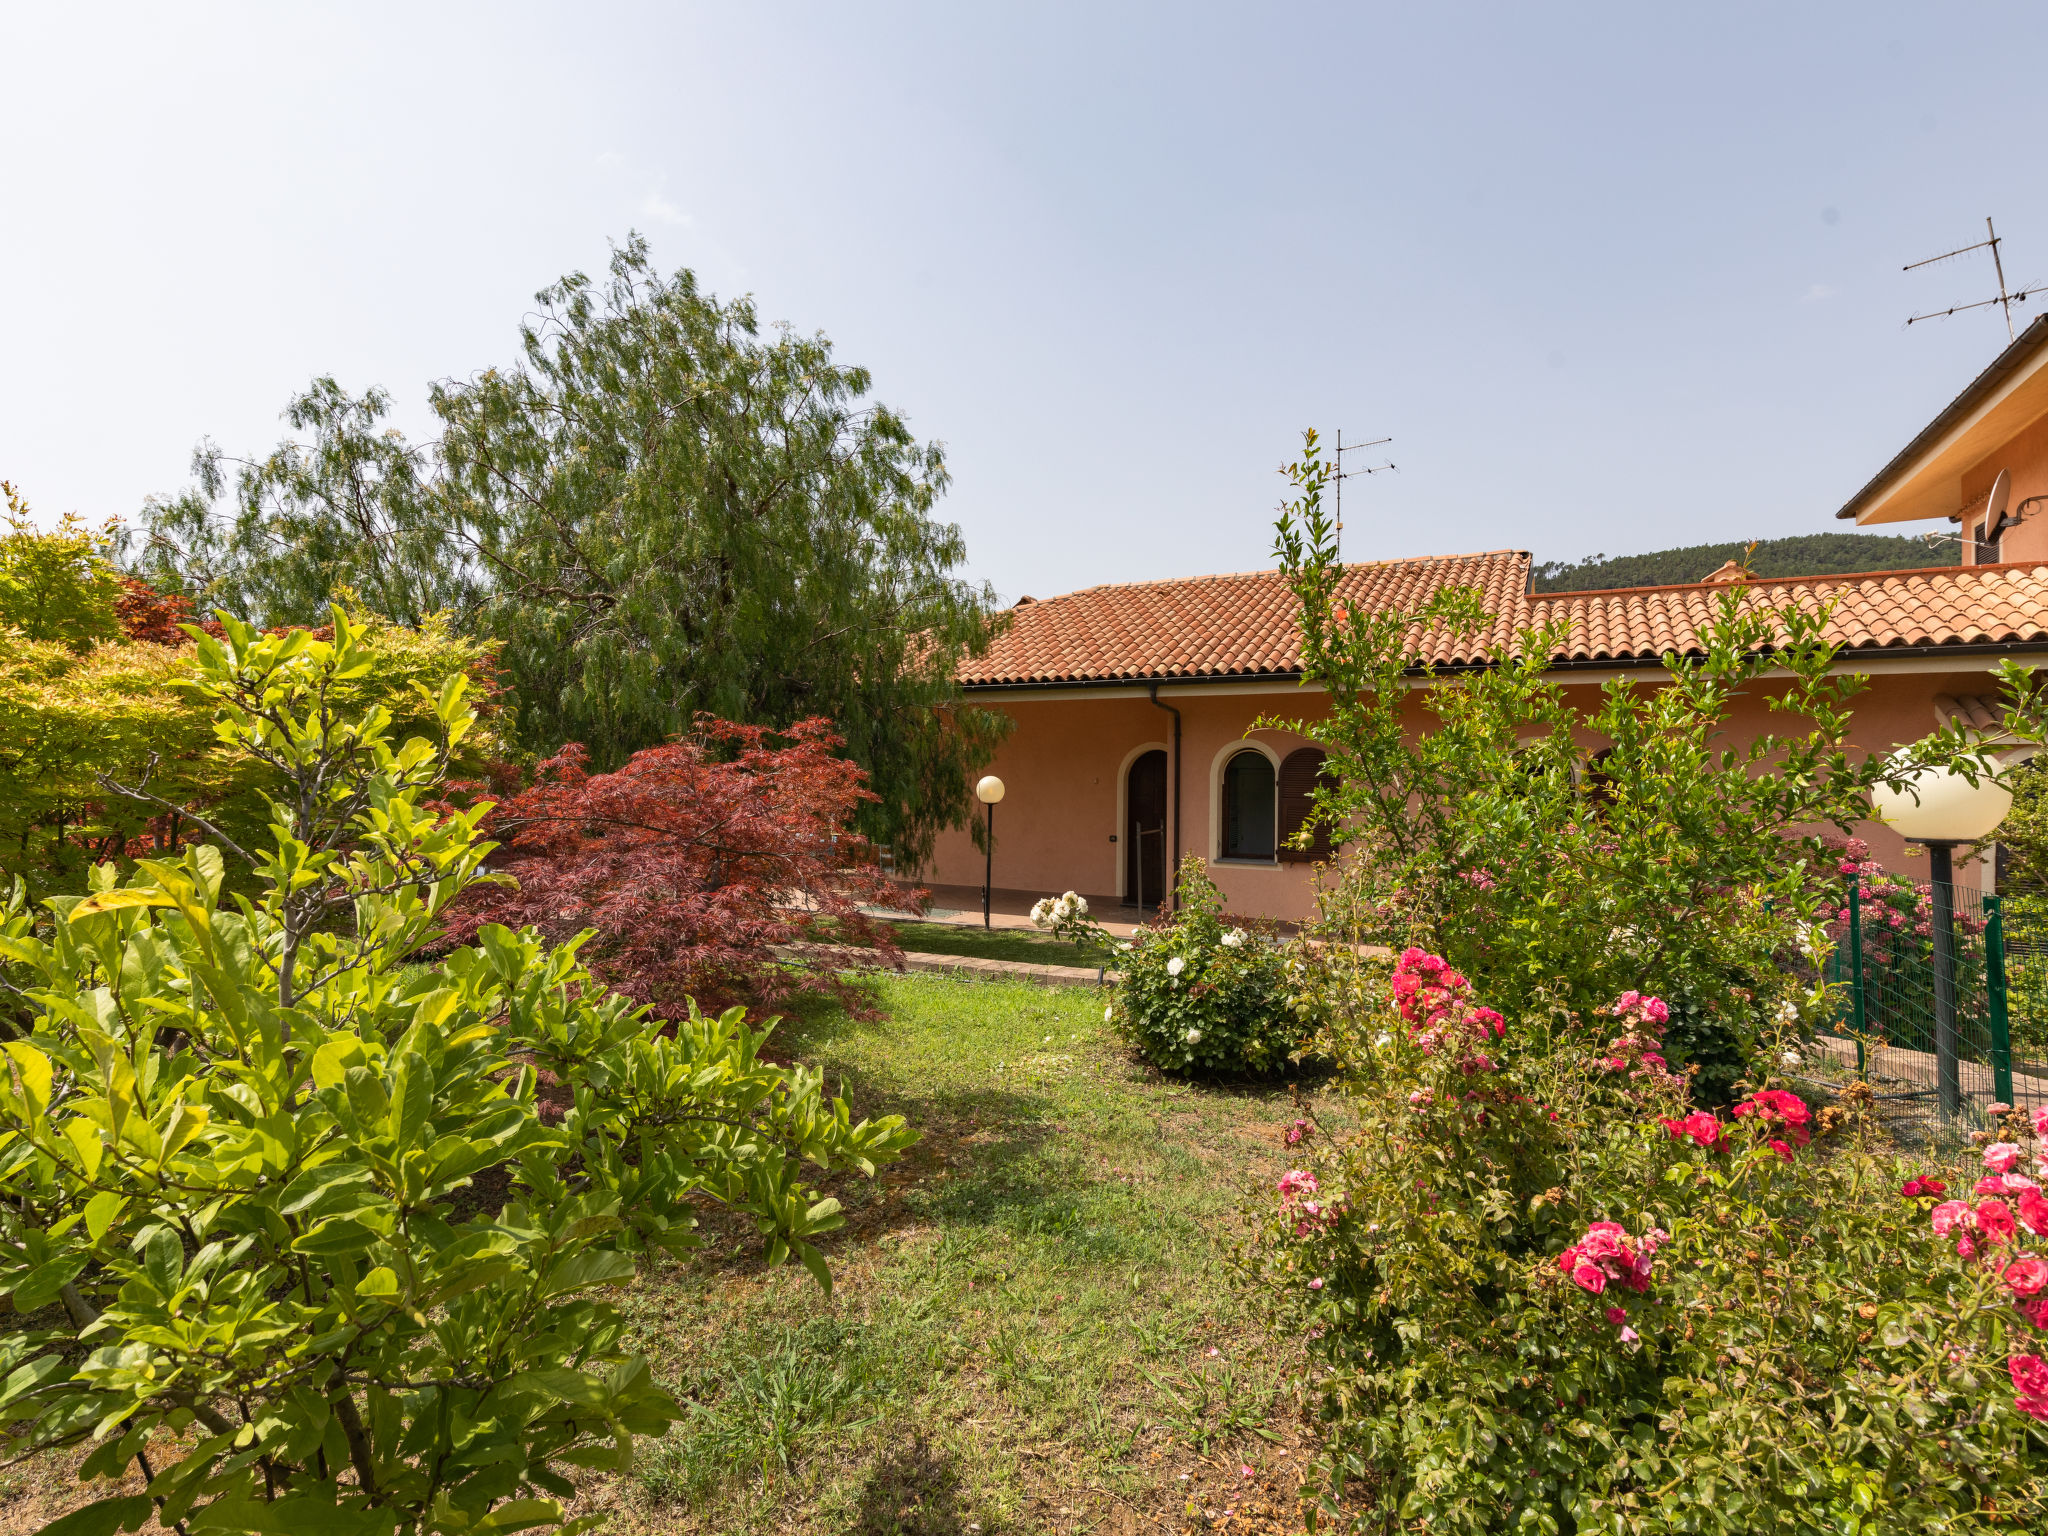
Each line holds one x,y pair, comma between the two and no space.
2036,1312
1782,1150
2001,1157
2041,1122
1315,1285
1629,1336
2026,1277
1295,1182
1990,1184
2029,1375
1616,1316
1965,1248
1951,1214
1588,1277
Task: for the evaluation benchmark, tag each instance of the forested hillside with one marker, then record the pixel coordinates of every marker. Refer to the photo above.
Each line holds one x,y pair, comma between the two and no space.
1807,554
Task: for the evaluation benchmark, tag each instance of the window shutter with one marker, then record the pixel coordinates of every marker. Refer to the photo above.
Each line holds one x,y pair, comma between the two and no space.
1298,777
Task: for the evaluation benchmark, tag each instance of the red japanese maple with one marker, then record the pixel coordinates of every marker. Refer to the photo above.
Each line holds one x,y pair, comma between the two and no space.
147,614
693,862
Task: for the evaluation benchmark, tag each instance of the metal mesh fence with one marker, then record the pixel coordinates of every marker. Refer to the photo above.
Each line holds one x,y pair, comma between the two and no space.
1961,1024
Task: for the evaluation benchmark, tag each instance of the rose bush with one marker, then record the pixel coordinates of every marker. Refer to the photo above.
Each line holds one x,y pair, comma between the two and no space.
1200,995
1543,1290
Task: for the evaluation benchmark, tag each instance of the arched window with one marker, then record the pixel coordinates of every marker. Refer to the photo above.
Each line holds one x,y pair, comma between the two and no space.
1249,806
1300,773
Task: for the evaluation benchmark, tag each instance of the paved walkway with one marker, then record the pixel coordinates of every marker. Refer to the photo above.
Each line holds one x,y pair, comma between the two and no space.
854,958
961,905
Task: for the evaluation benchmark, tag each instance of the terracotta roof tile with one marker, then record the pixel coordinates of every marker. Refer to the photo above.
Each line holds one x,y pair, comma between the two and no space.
1230,626
1221,627
1877,610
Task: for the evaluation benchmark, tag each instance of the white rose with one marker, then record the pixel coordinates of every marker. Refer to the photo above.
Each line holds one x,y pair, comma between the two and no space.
1123,946
1788,1012
1790,1059
1109,1013
1383,1041
1194,1037
1175,966
1232,939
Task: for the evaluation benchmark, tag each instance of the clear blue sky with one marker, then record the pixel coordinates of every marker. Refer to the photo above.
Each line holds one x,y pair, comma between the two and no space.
1614,277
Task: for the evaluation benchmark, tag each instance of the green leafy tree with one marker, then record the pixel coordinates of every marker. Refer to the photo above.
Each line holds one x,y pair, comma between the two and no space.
659,514
274,1191
57,585
1546,865
349,509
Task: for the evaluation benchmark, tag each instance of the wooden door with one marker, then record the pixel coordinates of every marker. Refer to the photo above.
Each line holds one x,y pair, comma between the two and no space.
1144,830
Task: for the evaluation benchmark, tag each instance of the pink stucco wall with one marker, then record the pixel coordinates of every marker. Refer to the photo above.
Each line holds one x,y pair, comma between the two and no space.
1063,768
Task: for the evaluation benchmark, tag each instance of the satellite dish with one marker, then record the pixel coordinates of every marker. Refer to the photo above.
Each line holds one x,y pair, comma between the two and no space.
1994,508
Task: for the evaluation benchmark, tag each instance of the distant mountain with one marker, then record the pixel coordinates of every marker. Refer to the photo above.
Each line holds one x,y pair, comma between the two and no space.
1807,554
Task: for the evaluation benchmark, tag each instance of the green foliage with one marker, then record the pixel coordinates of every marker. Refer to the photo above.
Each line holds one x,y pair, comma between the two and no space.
2024,832
348,511
2026,975
1560,856
77,725
1200,996
659,515
1805,554
272,1187
59,586
1806,1353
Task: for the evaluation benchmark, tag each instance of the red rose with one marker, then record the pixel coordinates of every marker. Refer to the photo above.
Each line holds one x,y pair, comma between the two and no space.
2027,1277
2029,1375
1994,1220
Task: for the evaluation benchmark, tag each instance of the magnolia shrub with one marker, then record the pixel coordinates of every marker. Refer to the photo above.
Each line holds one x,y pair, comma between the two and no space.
284,1220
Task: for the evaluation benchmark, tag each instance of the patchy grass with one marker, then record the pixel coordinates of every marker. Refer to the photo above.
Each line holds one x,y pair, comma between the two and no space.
1034,1327
997,944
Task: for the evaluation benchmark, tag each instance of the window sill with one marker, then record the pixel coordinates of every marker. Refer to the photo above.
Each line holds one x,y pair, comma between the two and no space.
1249,863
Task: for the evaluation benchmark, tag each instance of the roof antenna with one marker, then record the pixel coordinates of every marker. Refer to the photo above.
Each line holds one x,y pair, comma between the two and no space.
1340,475
2004,300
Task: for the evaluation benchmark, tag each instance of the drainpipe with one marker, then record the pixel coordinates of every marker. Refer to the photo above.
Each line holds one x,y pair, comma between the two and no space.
1173,869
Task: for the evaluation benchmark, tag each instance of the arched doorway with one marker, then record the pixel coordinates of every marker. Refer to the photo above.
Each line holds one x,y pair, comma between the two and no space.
1144,830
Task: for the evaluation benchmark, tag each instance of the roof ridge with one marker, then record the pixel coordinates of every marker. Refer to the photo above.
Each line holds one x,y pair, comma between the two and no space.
1349,565
1791,581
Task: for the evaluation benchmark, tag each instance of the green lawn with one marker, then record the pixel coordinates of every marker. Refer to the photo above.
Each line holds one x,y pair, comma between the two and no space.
1034,1326
997,944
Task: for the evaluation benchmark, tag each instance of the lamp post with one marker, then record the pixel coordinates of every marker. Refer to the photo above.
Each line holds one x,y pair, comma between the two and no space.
988,792
1940,808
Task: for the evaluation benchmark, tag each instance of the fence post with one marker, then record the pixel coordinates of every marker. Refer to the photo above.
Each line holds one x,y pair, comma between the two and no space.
1856,976
1994,986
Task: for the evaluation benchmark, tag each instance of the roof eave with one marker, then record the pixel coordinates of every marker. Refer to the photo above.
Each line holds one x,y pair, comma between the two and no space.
1980,389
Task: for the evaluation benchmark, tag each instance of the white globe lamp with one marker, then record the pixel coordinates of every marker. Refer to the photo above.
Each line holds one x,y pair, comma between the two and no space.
1939,807
989,791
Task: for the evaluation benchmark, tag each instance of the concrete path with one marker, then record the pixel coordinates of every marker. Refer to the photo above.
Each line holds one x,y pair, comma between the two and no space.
854,958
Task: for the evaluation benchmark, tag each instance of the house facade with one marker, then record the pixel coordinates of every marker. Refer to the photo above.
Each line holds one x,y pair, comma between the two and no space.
1151,719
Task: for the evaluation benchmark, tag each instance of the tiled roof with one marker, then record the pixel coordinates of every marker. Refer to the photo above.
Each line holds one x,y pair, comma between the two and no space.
1873,610
1231,626
1221,627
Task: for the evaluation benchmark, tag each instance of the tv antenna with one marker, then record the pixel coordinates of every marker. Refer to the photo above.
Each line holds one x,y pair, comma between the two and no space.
2004,301
1340,474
